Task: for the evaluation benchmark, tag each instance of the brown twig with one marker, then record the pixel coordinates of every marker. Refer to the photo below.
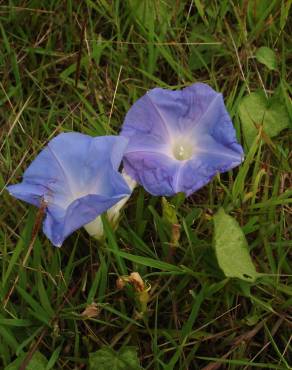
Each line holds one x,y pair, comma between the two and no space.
34,233
78,64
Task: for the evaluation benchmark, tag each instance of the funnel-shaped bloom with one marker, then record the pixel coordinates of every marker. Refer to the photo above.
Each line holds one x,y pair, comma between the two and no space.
95,227
178,140
77,177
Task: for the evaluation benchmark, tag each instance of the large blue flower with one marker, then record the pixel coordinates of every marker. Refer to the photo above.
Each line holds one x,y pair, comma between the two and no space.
77,177
178,140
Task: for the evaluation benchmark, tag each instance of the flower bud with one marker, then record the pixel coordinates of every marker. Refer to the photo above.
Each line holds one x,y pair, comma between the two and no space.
95,227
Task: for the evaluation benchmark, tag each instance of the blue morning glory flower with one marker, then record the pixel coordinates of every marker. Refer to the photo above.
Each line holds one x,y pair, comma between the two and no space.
77,177
178,140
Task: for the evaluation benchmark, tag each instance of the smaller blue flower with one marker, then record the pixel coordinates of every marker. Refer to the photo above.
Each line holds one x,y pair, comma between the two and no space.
77,177
178,140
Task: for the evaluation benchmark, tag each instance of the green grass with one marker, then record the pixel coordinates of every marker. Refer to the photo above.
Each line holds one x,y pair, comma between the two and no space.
79,65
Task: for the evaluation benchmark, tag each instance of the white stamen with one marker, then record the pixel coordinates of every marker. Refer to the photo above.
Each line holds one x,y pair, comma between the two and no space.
182,149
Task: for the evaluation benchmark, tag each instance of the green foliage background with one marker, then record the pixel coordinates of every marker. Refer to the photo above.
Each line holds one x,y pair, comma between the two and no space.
79,65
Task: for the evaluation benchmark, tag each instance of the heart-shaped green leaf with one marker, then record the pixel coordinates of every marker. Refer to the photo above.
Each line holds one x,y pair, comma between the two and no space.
37,362
108,359
267,57
255,110
232,249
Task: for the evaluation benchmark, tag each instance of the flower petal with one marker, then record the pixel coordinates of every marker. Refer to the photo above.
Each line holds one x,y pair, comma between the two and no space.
69,173
95,227
30,193
209,146
147,143
210,158
179,139
58,225
73,163
166,113
154,170
145,118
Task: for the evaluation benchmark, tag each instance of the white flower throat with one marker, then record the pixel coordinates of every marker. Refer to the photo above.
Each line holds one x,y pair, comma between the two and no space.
182,149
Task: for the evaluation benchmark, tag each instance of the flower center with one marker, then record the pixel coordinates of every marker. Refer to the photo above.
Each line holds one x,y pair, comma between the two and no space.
182,150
